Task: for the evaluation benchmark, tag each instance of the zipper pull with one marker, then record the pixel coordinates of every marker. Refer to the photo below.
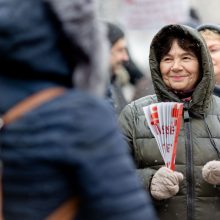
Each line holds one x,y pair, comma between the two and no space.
186,115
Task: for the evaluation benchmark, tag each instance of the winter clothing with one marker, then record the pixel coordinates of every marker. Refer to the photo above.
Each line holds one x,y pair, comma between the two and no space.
217,90
211,172
198,141
70,146
165,183
116,95
114,33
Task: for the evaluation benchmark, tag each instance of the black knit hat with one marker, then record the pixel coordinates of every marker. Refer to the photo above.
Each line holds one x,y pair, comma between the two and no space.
214,27
114,33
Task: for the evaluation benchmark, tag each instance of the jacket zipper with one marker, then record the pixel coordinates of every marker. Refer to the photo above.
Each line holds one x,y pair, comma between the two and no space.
189,167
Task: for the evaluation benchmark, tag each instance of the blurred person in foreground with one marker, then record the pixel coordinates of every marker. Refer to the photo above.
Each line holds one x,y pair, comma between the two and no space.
211,34
70,146
182,71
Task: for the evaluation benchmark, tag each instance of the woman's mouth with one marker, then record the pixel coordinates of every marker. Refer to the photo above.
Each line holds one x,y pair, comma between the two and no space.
177,78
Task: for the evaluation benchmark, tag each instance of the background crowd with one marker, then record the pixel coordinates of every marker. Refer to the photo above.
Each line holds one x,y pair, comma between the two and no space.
75,143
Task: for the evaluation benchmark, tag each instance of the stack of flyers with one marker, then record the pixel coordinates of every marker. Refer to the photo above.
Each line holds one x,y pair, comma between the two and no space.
164,120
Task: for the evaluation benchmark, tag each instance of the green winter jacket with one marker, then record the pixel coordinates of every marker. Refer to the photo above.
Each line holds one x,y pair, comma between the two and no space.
198,141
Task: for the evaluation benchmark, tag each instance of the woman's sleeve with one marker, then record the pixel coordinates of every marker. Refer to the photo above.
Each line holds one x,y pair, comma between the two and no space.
126,119
126,123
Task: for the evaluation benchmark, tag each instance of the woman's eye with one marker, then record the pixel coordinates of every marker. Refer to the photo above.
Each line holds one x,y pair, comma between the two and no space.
214,50
166,59
187,58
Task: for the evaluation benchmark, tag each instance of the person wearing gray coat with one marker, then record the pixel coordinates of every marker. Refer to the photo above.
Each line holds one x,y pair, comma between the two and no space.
182,72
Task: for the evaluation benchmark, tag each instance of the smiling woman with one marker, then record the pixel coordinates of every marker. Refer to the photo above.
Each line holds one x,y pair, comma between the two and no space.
182,72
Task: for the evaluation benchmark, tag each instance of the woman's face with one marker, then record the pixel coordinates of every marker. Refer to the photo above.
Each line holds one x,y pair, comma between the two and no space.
179,68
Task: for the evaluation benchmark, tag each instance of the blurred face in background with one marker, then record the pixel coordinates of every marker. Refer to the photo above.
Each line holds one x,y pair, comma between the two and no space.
212,39
118,54
179,68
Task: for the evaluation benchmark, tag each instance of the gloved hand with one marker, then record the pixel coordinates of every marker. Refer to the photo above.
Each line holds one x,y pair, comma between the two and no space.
165,183
211,172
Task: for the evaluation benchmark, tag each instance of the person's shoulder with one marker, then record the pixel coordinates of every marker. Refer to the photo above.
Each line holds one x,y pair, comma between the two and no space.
143,101
217,99
81,107
136,106
78,99
215,105
90,108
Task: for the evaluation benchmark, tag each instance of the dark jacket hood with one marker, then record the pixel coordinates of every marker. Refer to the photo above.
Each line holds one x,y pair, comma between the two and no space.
201,97
48,43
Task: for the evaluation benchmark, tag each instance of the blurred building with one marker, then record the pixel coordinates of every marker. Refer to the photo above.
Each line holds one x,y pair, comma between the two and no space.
208,11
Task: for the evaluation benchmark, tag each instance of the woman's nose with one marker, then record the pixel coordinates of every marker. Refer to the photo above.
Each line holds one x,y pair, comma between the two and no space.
176,65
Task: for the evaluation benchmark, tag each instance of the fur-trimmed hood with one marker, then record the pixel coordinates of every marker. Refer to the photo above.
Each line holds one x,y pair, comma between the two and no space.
201,97
48,43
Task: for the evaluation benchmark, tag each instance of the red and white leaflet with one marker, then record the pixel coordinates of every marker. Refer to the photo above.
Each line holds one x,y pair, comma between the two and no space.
164,120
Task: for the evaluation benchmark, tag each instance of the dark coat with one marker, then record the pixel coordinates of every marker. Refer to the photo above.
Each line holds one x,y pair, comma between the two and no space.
70,146
217,91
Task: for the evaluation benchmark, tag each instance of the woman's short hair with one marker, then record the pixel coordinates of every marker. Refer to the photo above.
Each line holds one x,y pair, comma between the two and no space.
184,40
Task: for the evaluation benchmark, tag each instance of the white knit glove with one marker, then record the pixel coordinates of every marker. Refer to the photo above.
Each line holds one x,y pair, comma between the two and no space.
165,183
211,172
